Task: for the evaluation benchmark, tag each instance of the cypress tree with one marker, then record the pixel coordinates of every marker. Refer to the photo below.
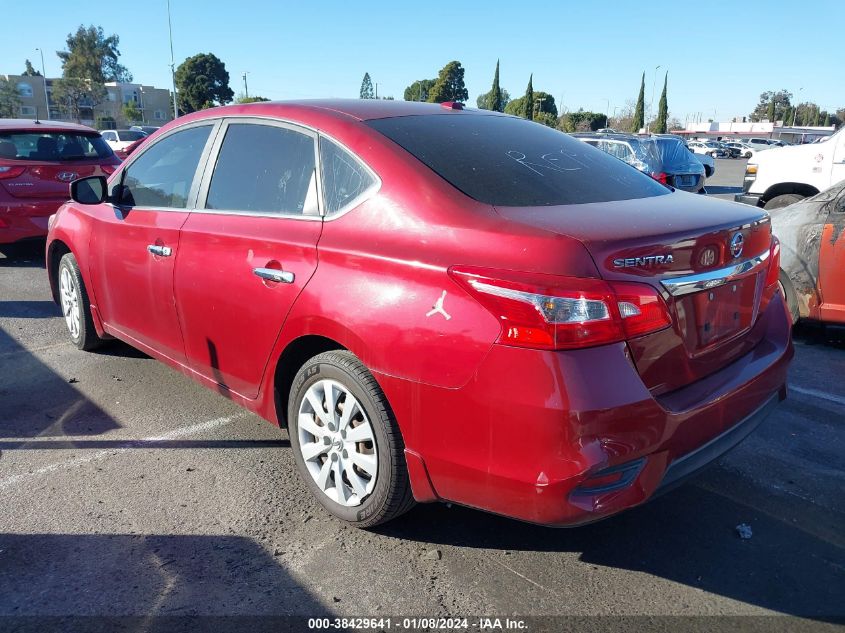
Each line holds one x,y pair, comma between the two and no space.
639,112
771,113
662,109
367,87
827,119
528,100
787,116
494,98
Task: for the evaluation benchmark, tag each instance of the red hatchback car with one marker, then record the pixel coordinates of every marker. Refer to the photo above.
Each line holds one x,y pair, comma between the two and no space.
38,160
438,303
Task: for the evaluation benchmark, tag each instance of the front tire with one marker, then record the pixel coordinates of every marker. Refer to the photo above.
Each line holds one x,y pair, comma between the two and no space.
346,442
76,309
789,296
783,200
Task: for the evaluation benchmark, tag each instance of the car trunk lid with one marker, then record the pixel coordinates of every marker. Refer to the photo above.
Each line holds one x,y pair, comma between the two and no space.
683,245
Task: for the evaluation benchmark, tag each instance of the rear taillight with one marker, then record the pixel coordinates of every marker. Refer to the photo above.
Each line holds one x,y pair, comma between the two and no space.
551,312
660,177
108,170
11,172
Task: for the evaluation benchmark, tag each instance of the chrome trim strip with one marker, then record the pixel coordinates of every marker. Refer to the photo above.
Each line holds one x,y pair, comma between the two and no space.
680,286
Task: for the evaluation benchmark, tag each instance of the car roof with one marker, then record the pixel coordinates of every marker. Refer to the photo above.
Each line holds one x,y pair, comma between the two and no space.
29,125
361,109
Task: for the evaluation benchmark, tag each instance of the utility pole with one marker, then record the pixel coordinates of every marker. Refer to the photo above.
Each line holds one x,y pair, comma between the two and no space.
376,90
44,75
172,63
246,88
651,104
607,113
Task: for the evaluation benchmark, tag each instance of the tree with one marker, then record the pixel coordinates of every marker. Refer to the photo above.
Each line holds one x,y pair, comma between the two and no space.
449,85
10,100
72,94
91,55
30,71
494,97
367,87
418,91
662,109
817,119
826,119
544,104
770,114
782,100
481,101
131,112
202,82
639,112
581,121
528,100
788,116
254,99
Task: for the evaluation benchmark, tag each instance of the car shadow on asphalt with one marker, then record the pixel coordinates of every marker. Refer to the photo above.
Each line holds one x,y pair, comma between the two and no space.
36,401
792,564
28,255
162,580
29,310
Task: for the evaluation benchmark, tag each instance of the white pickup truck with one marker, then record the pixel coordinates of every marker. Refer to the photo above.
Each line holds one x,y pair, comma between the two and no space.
780,176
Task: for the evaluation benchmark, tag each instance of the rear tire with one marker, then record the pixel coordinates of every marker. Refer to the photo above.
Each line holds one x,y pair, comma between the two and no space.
363,481
76,309
783,200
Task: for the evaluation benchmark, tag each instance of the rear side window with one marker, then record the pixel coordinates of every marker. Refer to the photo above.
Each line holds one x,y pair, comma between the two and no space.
161,176
345,179
264,169
54,146
507,161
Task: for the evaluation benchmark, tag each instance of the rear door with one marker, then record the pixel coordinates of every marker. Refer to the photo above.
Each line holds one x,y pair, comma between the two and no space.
832,263
248,249
135,243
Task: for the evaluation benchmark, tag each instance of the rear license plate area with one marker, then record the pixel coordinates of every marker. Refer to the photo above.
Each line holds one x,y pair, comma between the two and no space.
724,312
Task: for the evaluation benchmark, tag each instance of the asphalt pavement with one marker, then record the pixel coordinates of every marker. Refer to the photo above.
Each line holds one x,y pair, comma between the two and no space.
127,489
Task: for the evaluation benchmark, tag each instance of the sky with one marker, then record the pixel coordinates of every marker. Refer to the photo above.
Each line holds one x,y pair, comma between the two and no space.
719,55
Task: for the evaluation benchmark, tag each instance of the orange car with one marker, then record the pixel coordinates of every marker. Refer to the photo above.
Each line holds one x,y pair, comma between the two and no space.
812,237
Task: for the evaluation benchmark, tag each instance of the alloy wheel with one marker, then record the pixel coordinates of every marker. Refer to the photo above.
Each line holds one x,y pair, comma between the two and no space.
69,293
337,443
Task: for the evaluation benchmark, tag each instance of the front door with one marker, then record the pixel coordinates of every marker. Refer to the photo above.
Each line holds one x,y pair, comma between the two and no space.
135,243
248,249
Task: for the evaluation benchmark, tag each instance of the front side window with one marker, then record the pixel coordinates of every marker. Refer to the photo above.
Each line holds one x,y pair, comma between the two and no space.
162,175
264,169
344,177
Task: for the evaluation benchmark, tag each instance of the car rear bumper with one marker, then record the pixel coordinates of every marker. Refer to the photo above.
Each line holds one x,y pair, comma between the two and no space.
25,218
747,198
567,438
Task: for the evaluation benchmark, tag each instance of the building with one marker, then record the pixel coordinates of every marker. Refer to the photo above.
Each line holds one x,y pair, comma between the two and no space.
154,104
761,129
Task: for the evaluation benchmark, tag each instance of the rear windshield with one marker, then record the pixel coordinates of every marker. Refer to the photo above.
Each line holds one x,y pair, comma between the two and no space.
53,146
508,161
130,135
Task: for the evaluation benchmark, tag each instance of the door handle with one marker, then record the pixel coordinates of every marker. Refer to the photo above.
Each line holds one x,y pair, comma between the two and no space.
163,251
271,274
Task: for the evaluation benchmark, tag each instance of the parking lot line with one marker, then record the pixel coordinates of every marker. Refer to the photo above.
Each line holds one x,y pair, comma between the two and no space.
819,394
87,459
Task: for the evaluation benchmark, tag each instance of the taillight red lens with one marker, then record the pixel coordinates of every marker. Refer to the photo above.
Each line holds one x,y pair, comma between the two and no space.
551,312
11,172
642,310
661,177
773,273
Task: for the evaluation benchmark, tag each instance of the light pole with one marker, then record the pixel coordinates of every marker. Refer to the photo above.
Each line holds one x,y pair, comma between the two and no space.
44,76
651,104
607,113
797,103
246,88
172,63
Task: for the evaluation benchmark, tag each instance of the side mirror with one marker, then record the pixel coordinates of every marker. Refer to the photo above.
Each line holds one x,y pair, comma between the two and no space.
91,190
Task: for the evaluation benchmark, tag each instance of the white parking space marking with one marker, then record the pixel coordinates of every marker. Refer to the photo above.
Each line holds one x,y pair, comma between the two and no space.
194,429
819,394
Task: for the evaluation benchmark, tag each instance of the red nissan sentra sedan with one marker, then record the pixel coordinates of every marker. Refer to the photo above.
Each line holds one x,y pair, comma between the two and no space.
38,160
437,303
